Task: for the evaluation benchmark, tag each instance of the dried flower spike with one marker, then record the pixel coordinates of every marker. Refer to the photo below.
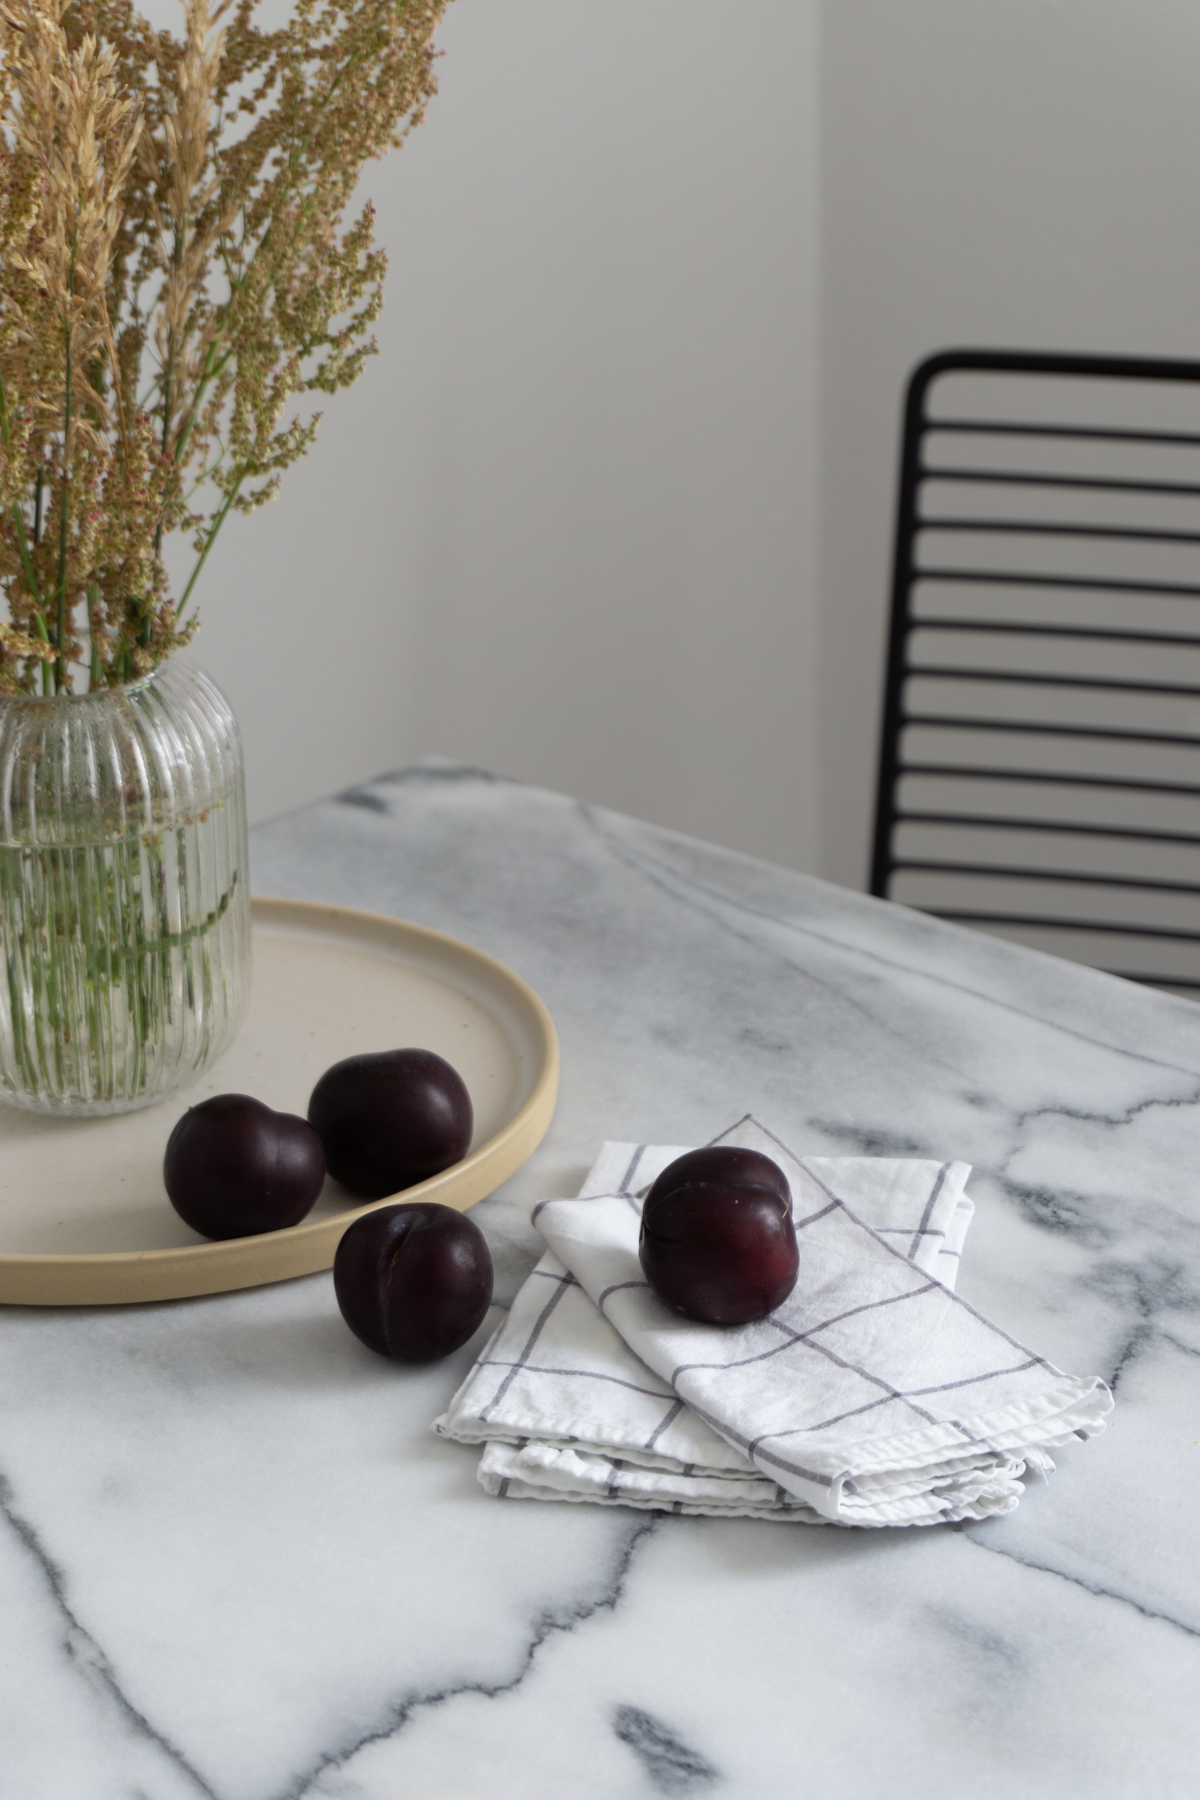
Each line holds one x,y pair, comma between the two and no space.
176,269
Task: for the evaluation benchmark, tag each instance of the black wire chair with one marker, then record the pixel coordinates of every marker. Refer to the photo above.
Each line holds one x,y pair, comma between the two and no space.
1041,729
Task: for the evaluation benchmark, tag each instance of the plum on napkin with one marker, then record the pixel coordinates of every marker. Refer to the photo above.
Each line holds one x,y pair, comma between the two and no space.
872,1396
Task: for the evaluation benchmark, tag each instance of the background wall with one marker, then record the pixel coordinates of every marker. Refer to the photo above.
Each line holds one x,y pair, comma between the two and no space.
566,524
612,509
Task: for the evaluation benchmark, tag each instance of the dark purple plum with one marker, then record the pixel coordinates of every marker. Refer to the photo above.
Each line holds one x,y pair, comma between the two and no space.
390,1119
234,1167
717,1241
413,1280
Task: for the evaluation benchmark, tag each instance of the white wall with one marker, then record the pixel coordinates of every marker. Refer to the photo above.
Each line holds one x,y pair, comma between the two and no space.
566,525
1017,175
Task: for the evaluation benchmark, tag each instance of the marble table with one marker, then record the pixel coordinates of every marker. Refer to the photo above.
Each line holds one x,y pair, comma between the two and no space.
234,1563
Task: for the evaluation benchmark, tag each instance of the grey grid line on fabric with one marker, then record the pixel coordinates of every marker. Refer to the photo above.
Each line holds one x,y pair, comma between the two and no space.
743,1443
972,1439
852,1412
909,1396
929,1206
892,1392
804,1337
668,1418
617,1286
532,1368
631,1171
775,1139
892,1251
943,1387
563,1284
801,1337
906,1232
746,1119
886,1400
813,1218
869,1306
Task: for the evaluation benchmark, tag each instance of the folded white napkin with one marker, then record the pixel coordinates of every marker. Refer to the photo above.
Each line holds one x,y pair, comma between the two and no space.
872,1396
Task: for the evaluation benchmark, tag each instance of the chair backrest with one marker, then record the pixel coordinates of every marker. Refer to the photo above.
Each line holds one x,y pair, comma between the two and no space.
1039,770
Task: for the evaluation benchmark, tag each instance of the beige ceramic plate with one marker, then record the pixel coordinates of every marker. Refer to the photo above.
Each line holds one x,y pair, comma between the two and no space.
84,1218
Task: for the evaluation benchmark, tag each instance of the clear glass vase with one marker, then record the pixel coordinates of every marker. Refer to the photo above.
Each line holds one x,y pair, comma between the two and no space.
124,892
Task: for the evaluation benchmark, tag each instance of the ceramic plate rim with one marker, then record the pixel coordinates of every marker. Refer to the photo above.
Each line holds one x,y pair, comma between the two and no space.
123,1277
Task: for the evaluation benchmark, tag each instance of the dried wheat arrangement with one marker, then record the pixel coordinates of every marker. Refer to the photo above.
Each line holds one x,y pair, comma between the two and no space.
177,269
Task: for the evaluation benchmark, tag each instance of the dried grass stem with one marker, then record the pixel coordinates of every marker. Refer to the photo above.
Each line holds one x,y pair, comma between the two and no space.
176,269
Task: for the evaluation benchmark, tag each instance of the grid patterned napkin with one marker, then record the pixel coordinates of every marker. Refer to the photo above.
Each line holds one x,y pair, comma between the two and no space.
872,1396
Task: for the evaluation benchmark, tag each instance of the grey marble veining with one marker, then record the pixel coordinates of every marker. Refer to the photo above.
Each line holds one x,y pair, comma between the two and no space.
234,1563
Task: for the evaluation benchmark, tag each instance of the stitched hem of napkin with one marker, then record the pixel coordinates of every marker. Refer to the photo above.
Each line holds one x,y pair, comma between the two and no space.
570,1430
512,1488
987,1505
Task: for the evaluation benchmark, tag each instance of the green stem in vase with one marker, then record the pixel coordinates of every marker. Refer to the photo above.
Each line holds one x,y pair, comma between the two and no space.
104,963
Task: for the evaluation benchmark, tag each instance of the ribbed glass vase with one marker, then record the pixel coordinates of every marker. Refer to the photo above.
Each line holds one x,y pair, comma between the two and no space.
124,892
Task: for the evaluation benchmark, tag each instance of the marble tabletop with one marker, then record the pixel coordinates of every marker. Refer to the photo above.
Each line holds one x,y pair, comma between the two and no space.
235,1563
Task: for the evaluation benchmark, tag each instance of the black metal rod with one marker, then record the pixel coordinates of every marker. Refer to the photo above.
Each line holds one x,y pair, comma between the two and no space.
1171,981
1037,678
1100,584
1028,478
1037,728
1055,362
1102,433
1142,534
1023,628
1063,778
964,916
1070,827
1012,872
